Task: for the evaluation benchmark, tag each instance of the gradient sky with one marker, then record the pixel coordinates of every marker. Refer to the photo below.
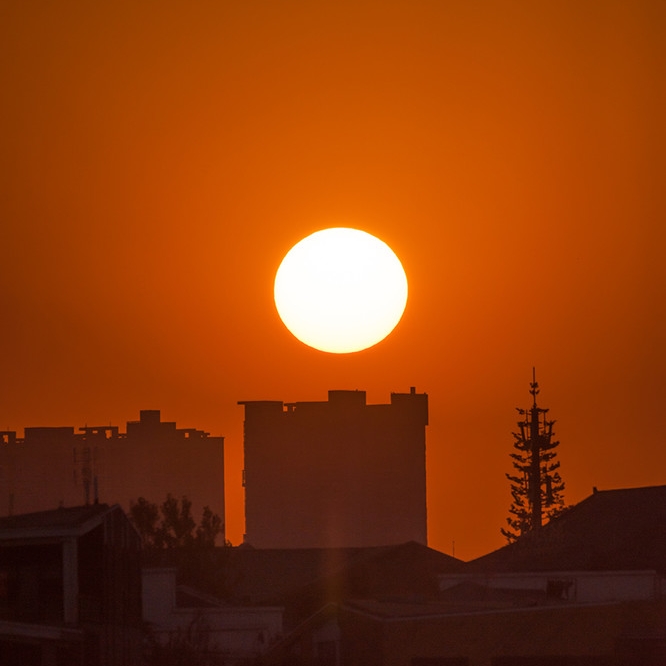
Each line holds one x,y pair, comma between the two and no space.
158,160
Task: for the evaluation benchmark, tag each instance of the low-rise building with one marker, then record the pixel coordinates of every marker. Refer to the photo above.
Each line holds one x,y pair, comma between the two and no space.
586,589
70,588
236,634
571,586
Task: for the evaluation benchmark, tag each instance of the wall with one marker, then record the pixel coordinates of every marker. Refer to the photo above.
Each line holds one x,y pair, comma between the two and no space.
589,630
577,586
241,632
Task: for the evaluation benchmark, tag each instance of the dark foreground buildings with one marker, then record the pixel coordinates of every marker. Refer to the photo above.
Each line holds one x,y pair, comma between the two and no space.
339,473
70,588
51,467
586,589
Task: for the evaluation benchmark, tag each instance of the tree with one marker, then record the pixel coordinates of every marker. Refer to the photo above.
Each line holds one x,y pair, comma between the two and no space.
184,646
170,533
537,487
208,529
144,515
176,528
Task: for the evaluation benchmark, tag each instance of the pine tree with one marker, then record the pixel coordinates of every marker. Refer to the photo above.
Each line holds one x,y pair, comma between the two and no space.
536,487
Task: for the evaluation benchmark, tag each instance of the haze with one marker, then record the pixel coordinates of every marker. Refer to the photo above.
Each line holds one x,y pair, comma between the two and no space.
158,161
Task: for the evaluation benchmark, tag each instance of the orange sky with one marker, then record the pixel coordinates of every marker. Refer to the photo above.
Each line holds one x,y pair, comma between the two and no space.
158,159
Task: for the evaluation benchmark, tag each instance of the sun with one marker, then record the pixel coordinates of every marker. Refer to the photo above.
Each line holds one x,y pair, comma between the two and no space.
340,290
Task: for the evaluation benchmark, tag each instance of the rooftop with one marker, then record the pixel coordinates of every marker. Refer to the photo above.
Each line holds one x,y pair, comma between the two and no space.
609,530
55,522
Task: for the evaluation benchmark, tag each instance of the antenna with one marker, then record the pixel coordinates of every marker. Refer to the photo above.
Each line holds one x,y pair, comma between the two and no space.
534,386
83,465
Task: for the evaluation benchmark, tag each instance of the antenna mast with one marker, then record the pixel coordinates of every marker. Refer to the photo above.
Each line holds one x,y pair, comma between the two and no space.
537,487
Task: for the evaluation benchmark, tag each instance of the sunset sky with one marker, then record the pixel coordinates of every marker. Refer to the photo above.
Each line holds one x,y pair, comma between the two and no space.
158,159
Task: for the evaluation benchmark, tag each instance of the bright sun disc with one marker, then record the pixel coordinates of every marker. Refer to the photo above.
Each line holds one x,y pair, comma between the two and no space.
340,290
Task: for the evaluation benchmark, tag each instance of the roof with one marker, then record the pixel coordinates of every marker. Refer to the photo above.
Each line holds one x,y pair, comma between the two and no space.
305,579
609,530
268,575
393,610
68,521
279,652
466,599
188,597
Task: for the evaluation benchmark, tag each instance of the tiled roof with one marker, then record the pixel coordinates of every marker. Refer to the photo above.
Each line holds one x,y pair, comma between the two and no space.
609,530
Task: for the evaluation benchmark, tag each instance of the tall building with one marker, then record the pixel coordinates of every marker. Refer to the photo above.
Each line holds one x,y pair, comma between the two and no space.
51,467
340,473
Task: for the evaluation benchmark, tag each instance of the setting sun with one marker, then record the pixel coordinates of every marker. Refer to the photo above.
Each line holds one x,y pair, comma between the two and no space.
340,290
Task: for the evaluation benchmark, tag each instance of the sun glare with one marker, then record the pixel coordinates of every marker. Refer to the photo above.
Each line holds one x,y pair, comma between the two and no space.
340,290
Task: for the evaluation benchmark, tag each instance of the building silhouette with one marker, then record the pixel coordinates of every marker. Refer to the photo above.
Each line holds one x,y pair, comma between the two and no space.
585,589
70,588
51,467
339,473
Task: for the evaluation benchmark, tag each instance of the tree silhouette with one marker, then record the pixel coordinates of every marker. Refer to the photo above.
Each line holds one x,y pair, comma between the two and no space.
185,646
145,516
176,528
536,487
170,534
208,529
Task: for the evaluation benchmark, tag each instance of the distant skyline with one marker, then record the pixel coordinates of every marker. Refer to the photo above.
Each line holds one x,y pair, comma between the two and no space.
71,466
158,161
